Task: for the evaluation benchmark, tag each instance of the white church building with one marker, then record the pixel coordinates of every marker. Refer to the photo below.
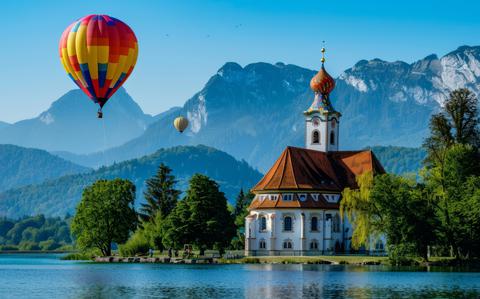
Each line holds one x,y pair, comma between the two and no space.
296,206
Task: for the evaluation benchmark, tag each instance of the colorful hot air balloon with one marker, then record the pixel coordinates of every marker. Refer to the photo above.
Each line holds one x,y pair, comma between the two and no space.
99,53
180,123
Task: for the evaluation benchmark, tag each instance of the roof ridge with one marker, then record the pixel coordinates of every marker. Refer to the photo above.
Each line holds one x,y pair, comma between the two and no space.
293,170
287,154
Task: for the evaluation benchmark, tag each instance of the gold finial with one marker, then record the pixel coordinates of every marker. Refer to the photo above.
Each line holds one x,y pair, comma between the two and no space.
323,53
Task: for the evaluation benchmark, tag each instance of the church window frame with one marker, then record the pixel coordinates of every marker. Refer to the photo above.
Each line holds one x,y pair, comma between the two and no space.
336,223
302,197
263,223
262,244
332,137
315,137
313,244
287,223
314,223
287,244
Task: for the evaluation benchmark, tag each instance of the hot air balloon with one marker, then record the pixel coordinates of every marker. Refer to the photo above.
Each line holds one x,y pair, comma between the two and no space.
180,123
99,53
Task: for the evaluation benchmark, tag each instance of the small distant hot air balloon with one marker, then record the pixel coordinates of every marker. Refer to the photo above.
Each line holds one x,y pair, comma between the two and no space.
99,53
180,123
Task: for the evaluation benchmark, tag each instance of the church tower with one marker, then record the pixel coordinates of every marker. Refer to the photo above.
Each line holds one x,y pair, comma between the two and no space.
321,120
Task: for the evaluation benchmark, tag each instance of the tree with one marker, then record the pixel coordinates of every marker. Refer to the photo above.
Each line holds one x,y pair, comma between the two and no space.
407,220
456,124
161,195
394,206
239,213
450,185
201,218
105,215
362,213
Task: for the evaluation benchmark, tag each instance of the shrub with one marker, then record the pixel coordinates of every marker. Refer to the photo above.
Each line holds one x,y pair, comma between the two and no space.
48,245
28,245
402,254
138,244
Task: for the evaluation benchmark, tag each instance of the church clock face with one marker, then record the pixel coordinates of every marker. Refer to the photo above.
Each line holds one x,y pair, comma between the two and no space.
316,122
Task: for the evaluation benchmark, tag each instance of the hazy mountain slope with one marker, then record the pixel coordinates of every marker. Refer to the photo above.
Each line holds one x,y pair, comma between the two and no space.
71,124
3,124
255,111
60,196
23,166
400,160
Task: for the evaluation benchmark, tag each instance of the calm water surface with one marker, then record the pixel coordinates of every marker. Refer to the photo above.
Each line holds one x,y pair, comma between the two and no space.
45,276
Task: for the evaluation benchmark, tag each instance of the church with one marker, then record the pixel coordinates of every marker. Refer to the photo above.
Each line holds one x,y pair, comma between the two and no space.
295,210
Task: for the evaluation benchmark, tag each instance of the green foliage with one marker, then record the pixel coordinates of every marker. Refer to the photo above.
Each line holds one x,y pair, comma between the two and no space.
34,233
161,195
61,196
406,216
138,244
456,124
201,218
361,212
393,206
239,213
105,215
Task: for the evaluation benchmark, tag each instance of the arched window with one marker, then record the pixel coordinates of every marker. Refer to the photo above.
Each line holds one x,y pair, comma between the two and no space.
263,223
315,137
287,223
314,245
336,224
262,244
287,244
332,137
314,224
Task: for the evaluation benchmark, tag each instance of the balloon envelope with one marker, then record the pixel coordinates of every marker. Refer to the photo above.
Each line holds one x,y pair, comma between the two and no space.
99,53
180,123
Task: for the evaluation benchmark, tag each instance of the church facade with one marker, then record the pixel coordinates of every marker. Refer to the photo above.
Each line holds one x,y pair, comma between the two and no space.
295,210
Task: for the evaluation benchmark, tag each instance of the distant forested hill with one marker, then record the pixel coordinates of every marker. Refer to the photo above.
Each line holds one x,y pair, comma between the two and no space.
21,166
34,233
400,160
60,196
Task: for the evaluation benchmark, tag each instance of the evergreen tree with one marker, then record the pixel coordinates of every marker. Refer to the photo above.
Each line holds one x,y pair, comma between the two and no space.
161,195
201,218
239,213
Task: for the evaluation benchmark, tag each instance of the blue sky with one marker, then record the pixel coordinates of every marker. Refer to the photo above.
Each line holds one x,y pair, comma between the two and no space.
183,43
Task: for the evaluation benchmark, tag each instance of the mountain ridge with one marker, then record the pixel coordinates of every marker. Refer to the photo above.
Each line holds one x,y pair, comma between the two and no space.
70,124
23,166
58,197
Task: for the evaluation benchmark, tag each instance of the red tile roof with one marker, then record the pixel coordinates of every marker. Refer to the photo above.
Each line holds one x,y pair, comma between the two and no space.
300,169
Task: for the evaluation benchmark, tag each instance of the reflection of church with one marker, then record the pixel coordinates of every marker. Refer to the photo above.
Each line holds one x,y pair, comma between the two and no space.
296,206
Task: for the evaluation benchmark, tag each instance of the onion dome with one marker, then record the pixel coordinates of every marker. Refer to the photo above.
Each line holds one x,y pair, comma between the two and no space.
322,82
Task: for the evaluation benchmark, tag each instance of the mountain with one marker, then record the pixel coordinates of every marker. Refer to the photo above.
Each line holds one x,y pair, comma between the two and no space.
3,124
71,124
60,196
253,112
400,160
24,166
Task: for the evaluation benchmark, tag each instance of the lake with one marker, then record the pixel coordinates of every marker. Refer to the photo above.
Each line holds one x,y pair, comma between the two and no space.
45,276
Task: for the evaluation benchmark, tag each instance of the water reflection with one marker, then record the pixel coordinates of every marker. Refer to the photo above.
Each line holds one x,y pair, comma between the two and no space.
38,277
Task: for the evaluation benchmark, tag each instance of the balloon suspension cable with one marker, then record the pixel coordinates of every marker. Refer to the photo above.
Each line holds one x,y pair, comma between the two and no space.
104,143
